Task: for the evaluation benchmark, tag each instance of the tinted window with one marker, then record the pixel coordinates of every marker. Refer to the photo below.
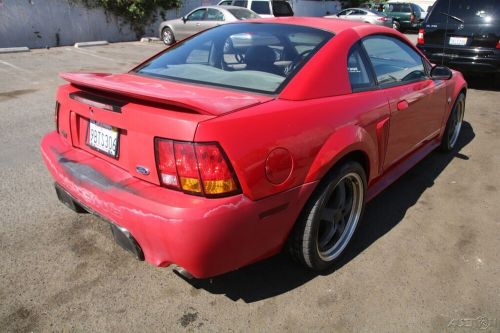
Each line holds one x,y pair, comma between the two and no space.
397,7
225,3
248,56
358,71
197,15
483,11
357,12
344,12
261,7
394,61
240,3
214,15
282,8
242,13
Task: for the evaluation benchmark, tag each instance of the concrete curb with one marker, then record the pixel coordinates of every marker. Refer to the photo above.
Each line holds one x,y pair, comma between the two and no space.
149,39
95,43
14,49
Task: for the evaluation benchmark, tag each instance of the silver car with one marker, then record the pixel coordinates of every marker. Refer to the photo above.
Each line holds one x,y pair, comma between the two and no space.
202,18
364,15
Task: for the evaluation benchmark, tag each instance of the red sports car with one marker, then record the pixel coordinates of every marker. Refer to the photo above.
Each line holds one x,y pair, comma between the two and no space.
250,137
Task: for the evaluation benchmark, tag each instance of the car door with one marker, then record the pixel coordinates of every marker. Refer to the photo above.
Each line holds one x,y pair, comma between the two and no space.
214,18
356,15
192,23
417,103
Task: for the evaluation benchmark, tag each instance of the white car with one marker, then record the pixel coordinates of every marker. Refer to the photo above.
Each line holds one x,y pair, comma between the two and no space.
265,8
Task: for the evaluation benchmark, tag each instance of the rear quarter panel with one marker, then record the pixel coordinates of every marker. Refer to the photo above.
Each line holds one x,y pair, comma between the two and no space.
316,133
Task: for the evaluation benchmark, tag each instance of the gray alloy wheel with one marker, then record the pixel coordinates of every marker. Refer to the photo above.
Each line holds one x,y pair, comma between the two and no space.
167,36
454,125
330,218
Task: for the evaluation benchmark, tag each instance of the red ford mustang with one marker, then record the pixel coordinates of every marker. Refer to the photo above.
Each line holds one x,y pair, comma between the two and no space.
224,148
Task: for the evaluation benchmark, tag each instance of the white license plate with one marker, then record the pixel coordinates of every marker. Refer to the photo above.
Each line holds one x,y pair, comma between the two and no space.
103,138
458,41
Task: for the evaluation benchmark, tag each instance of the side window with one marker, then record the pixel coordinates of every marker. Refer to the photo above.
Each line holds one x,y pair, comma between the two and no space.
393,61
358,70
357,12
197,15
344,12
241,3
261,7
214,15
226,3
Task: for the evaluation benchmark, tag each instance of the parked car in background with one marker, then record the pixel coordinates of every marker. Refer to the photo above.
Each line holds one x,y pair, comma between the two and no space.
198,160
406,15
200,19
265,8
364,15
464,35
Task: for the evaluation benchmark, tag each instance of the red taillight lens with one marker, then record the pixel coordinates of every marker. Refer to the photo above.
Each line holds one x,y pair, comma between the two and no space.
383,19
165,160
420,38
56,115
215,174
195,168
498,44
187,167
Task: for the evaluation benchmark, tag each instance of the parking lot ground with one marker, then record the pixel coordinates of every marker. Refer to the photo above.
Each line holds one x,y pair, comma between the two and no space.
424,259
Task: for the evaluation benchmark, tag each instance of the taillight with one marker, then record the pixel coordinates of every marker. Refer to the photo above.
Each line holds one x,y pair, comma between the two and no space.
420,38
56,115
498,44
196,168
412,18
382,18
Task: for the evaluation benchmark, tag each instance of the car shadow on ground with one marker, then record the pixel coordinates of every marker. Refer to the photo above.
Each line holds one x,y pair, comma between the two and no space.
482,81
279,274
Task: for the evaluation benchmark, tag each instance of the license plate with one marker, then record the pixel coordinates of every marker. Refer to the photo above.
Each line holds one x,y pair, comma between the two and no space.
103,138
458,41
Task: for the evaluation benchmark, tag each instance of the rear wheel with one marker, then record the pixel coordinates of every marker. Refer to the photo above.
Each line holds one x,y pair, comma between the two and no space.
167,36
396,25
330,218
454,125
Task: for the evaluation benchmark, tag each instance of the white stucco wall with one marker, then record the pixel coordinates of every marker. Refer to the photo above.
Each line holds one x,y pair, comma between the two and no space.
41,23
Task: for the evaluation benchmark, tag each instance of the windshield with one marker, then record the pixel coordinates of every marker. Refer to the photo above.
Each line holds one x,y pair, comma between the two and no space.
481,11
242,13
249,56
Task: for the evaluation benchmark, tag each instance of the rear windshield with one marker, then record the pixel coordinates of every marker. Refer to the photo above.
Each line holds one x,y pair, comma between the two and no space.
477,11
242,13
397,7
258,57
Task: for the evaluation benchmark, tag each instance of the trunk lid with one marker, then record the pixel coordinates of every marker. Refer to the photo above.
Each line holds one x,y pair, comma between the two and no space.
138,109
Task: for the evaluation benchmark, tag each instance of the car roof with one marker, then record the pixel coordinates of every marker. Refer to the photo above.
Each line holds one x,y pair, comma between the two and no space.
329,24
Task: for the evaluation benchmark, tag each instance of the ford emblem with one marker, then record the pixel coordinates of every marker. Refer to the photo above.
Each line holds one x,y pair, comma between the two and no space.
142,170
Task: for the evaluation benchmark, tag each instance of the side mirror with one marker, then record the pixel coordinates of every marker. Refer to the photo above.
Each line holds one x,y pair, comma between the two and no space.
184,19
441,73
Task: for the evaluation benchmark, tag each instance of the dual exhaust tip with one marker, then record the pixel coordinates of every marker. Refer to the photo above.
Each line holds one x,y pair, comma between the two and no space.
122,236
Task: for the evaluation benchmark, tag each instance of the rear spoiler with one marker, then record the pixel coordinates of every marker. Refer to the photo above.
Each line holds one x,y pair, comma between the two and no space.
199,99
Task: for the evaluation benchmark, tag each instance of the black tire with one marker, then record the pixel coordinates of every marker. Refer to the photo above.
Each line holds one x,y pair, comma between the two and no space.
167,36
453,125
308,243
396,25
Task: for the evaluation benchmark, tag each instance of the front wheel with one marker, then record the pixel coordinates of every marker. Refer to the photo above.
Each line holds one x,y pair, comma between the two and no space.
454,125
167,36
330,218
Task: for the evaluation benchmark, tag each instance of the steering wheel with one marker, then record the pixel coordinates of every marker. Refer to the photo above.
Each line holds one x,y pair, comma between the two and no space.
296,61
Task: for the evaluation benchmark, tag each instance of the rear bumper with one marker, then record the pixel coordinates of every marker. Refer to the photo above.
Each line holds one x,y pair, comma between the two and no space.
464,59
207,237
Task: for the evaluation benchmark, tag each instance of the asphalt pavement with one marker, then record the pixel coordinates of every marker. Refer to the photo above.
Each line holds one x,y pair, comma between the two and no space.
425,258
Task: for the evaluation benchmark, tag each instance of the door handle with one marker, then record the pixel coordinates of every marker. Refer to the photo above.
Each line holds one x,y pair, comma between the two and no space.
402,105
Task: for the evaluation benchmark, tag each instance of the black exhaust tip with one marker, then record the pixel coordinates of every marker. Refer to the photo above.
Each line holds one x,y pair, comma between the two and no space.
123,237
68,201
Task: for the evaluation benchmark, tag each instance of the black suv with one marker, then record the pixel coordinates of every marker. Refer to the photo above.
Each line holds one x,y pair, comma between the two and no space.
464,35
